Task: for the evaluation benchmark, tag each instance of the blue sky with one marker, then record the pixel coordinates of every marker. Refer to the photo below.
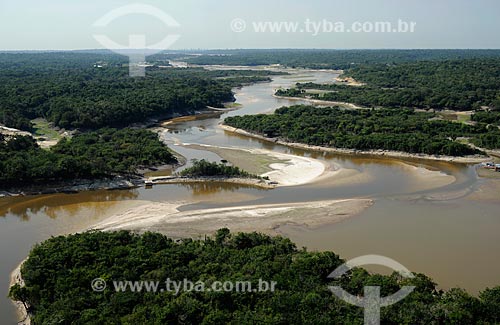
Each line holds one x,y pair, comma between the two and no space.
66,24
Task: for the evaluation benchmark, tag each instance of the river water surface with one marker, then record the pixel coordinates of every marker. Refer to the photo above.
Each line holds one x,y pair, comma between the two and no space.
447,232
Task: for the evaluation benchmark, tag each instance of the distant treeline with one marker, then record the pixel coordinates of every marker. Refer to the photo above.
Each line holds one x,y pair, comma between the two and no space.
99,154
365,129
90,91
59,272
458,85
331,59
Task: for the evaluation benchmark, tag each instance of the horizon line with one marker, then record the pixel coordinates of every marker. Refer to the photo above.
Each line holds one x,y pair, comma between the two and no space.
254,48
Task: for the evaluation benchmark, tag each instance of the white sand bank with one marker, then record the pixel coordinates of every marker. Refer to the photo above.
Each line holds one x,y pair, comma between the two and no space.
295,171
287,170
166,217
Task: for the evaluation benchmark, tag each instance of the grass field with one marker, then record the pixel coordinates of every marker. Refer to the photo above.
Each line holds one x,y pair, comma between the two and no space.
43,129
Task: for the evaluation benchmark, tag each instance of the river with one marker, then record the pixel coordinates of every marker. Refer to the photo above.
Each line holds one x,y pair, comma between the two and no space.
450,231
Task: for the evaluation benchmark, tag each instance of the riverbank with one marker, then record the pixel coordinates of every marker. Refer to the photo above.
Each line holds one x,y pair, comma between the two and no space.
381,152
117,181
257,182
321,102
81,185
22,312
12,132
75,186
348,81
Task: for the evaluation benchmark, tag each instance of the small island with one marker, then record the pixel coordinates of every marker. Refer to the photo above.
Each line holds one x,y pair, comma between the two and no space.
204,171
203,168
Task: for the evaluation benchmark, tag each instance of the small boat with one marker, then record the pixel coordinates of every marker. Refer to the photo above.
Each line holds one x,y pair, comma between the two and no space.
488,165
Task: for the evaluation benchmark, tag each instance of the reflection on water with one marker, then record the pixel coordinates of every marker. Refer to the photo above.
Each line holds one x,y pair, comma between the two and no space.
100,202
55,204
203,189
182,124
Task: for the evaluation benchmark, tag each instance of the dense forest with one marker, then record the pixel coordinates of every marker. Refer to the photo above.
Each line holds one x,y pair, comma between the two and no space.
458,85
206,168
330,59
365,129
488,117
489,140
90,91
98,154
59,272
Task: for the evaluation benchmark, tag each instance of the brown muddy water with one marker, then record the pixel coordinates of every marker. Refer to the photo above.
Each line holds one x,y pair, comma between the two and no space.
440,230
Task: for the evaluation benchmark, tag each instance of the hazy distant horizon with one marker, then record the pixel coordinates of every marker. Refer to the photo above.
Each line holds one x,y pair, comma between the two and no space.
208,24
245,49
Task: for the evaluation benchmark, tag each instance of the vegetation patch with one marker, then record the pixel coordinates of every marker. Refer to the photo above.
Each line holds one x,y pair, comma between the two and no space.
488,117
203,168
451,84
59,272
387,129
91,91
93,155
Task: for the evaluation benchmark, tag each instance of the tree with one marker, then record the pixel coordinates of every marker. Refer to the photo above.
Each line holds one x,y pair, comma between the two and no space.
490,299
222,235
18,293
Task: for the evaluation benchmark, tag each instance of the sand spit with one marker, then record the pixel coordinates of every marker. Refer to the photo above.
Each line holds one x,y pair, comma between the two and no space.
166,217
261,183
284,169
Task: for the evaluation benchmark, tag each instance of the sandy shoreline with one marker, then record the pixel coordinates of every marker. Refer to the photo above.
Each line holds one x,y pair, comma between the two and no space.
166,218
322,102
426,179
12,132
319,172
348,81
22,313
386,153
295,170
251,162
284,169
232,180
